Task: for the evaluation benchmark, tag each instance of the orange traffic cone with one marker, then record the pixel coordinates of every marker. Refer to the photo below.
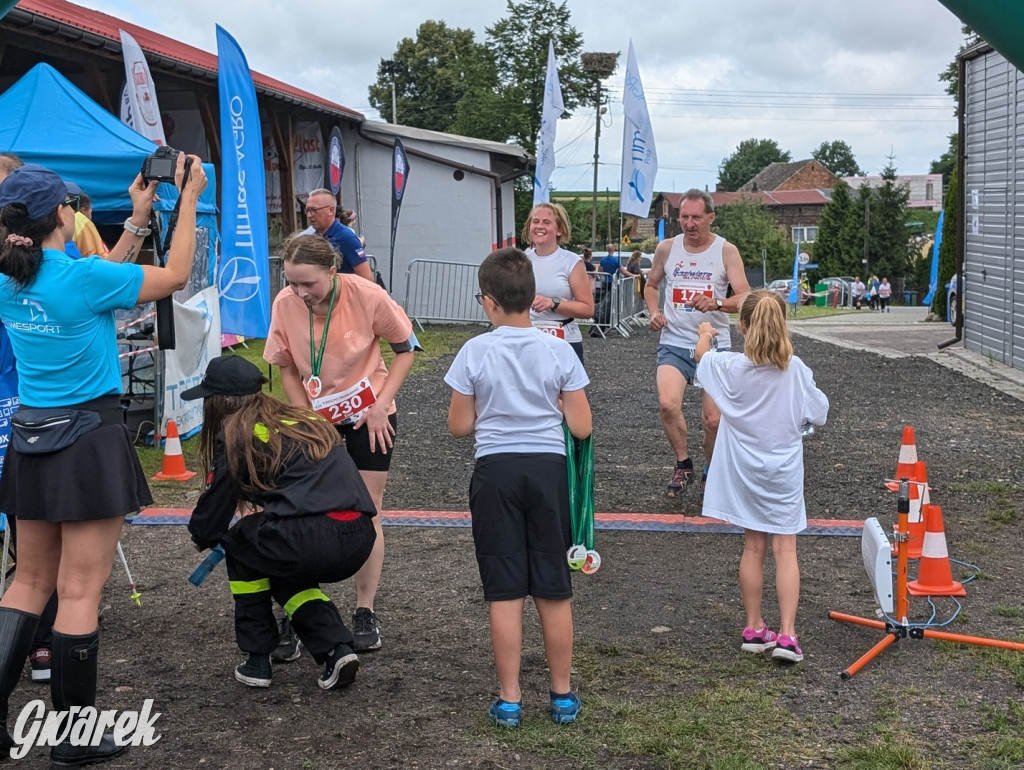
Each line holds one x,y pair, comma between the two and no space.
905,466
935,576
174,462
915,518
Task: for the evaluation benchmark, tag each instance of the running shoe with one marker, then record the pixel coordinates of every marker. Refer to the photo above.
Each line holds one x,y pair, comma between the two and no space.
365,631
565,708
787,649
506,714
681,478
760,640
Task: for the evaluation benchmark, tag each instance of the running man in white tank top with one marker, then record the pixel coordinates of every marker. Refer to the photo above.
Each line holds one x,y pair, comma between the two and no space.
698,267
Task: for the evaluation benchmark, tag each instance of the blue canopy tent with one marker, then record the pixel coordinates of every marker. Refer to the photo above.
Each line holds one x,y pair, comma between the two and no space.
48,120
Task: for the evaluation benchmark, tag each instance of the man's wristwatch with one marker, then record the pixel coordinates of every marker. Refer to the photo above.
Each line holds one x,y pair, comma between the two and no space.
718,302
555,302
141,232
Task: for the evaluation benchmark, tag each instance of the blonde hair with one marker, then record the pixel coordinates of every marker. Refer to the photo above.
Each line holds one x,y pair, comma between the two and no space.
763,314
562,226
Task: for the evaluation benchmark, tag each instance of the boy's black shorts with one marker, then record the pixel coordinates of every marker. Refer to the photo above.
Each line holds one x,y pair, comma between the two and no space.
521,527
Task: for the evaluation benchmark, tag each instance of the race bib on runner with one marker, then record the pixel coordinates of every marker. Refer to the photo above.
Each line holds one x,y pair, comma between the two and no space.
554,331
346,407
682,296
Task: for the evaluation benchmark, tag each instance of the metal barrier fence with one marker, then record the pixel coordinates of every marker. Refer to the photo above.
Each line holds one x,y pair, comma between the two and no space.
619,306
442,291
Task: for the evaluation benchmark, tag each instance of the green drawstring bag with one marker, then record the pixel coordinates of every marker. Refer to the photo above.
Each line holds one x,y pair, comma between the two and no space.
579,462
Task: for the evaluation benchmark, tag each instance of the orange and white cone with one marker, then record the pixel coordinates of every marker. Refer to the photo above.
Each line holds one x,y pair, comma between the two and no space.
915,518
905,465
935,576
174,461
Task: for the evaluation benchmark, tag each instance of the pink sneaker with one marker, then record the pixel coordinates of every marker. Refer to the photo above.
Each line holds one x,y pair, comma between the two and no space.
761,640
787,649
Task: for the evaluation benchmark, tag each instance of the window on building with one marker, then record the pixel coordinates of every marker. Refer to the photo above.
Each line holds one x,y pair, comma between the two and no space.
805,234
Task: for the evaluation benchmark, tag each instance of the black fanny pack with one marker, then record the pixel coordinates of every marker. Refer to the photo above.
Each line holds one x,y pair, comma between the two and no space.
39,431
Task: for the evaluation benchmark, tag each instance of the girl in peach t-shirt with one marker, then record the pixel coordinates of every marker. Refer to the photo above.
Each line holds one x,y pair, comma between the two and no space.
325,332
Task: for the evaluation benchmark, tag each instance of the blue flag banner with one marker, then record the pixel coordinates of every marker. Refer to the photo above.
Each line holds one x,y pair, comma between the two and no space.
933,279
399,177
553,108
639,156
794,290
243,275
661,230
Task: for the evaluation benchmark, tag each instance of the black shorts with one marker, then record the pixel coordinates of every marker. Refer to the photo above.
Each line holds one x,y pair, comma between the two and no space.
357,442
521,528
97,477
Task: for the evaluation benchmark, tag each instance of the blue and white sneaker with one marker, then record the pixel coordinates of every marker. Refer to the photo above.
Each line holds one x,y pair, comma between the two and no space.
565,708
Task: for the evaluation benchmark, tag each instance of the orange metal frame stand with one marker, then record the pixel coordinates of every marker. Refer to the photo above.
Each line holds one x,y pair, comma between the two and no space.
903,629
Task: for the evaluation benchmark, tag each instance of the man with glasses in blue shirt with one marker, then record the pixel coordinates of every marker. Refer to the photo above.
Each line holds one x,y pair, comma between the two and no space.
321,209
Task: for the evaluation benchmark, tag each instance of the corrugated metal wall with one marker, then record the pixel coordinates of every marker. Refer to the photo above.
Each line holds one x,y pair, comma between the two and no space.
994,209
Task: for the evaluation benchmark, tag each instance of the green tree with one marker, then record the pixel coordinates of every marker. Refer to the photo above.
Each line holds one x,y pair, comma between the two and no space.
890,246
837,157
946,164
433,74
947,249
750,157
518,45
839,247
751,227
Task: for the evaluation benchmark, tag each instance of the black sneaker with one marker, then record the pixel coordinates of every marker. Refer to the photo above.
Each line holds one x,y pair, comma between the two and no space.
256,671
365,631
339,668
289,647
681,478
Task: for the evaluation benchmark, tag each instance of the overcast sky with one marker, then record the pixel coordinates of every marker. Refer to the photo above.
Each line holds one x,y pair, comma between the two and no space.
715,73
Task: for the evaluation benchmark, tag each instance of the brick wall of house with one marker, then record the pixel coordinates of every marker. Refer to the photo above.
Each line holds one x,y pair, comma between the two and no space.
811,177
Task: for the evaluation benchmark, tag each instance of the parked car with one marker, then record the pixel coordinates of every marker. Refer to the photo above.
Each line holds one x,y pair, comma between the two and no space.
951,300
843,286
783,285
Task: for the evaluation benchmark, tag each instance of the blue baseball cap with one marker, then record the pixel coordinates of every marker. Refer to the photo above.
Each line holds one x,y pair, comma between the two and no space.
35,187
73,189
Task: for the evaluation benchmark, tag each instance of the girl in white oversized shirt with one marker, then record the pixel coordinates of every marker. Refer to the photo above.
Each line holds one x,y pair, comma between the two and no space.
756,480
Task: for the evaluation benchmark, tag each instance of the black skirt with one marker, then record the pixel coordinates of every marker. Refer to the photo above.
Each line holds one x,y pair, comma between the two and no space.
97,477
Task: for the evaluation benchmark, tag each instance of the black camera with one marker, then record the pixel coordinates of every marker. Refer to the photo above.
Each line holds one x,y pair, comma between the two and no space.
160,166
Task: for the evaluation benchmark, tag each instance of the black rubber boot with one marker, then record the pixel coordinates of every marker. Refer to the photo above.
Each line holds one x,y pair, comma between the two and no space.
16,631
73,683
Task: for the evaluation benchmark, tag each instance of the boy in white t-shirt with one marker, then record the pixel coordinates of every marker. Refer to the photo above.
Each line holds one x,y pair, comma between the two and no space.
512,387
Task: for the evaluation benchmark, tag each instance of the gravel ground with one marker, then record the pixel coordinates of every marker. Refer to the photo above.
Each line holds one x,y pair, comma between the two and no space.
421,701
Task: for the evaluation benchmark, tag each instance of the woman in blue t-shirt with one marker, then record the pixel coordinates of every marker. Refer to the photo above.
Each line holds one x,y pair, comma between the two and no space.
71,472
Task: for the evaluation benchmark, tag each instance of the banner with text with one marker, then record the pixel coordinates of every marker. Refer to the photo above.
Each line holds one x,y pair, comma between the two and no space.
399,178
243,275
310,162
639,155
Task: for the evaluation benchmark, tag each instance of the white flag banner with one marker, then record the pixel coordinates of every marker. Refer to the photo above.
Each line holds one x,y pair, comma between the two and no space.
139,108
639,156
552,111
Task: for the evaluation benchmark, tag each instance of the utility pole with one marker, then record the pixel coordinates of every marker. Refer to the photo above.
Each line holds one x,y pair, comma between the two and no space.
391,68
600,65
867,233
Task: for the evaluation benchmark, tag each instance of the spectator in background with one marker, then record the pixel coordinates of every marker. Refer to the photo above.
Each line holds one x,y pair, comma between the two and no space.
858,290
588,260
320,213
348,218
87,237
884,294
633,265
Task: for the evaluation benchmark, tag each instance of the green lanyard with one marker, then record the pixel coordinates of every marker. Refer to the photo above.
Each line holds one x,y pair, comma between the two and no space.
316,357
